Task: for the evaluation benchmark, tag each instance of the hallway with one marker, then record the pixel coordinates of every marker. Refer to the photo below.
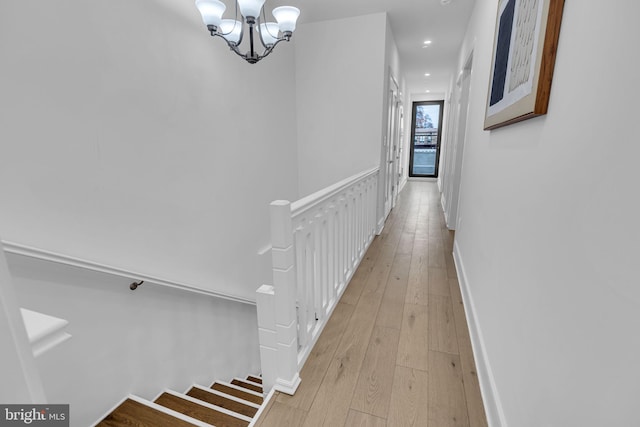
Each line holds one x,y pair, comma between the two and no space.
396,351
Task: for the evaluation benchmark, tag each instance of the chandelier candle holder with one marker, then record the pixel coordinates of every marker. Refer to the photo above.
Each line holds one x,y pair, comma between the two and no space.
253,15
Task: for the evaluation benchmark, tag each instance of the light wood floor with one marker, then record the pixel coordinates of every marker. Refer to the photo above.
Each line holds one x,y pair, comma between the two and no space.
396,351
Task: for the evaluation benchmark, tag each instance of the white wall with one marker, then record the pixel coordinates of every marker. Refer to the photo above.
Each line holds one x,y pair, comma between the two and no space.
124,341
340,78
132,138
21,381
549,234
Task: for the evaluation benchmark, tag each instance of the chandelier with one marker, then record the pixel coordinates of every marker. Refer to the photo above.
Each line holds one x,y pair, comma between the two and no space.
253,15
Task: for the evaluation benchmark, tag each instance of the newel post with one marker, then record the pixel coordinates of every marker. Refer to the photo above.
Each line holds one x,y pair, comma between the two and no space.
284,284
265,302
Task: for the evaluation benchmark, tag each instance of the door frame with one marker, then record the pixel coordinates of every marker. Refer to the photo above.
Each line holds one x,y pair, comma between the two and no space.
414,109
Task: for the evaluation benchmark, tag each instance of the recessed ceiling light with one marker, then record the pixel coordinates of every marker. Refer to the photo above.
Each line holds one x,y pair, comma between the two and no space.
427,42
427,74
427,91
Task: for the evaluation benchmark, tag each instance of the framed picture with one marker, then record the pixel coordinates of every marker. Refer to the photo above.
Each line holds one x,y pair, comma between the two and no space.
524,53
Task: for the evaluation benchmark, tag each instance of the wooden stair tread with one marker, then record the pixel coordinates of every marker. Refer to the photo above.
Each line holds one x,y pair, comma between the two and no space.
132,413
254,379
199,412
238,393
222,402
247,385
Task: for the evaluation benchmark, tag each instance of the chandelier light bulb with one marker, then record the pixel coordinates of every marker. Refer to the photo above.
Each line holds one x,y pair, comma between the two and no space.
250,8
269,33
231,30
211,11
286,17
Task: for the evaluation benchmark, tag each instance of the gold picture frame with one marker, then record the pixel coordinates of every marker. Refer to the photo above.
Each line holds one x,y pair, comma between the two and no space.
524,54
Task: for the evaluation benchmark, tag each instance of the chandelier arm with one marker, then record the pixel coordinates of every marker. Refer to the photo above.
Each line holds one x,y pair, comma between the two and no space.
241,33
260,20
270,48
232,46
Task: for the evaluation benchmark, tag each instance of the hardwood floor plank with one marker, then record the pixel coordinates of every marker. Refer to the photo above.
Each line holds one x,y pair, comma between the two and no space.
446,399
262,420
373,390
413,345
418,283
331,404
222,402
436,253
405,245
442,328
248,386
280,415
390,313
254,379
360,277
132,413
359,419
438,281
318,362
199,412
237,393
409,397
377,280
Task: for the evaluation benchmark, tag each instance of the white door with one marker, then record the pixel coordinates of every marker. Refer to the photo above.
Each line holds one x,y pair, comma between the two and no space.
397,149
391,148
451,188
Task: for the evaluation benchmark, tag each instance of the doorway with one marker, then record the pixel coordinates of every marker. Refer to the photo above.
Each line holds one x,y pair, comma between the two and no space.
426,123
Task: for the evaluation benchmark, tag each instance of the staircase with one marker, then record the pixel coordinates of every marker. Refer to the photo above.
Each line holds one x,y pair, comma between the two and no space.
232,404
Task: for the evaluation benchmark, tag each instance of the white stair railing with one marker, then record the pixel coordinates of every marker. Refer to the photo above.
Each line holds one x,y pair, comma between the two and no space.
317,244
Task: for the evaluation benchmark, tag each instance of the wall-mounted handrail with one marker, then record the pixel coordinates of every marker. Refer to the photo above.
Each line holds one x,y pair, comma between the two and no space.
318,242
44,255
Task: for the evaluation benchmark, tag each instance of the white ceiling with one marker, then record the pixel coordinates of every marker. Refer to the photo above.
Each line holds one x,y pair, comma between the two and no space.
412,22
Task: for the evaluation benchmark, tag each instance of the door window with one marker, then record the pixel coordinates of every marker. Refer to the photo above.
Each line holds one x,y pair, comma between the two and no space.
425,138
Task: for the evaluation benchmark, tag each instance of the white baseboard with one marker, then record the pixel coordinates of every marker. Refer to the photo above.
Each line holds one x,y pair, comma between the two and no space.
423,179
443,205
490,396
403,182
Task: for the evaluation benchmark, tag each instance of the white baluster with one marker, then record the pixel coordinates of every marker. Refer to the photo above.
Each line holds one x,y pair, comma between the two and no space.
301,272
334,280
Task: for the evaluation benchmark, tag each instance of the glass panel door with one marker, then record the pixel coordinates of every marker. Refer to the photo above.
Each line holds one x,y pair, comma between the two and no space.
425,138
